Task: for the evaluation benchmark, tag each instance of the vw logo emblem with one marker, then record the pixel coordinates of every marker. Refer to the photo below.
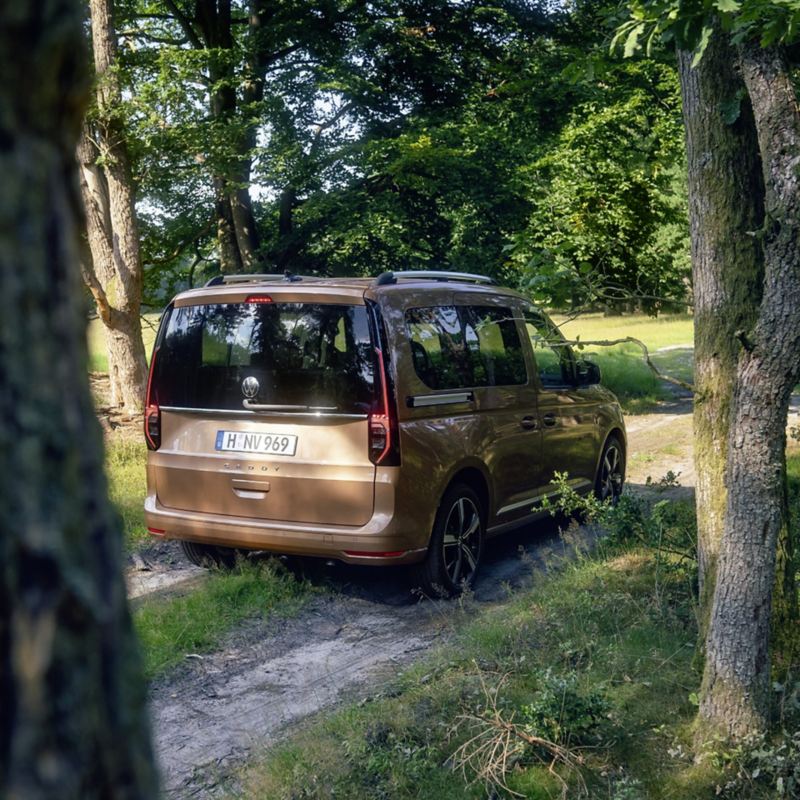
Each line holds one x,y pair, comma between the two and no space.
250,387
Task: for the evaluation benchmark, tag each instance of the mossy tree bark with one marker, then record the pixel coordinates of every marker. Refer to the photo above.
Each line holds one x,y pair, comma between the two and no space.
112,268
72,703
725,204
736,682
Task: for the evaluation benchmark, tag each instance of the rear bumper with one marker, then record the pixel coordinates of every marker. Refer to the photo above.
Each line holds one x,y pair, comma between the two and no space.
380,536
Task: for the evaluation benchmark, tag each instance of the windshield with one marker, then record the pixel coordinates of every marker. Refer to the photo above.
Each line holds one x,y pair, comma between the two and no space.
304,355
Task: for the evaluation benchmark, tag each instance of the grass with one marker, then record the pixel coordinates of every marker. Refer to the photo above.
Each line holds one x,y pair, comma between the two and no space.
667,330
615,634
171,628
127,482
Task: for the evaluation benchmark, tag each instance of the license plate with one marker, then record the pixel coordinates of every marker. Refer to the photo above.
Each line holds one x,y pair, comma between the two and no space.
272,444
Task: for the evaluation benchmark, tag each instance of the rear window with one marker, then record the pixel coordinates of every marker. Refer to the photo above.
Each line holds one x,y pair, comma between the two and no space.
301,354
458,347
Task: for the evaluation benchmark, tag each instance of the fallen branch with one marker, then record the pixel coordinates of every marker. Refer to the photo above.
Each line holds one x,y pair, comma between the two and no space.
497,743
632,340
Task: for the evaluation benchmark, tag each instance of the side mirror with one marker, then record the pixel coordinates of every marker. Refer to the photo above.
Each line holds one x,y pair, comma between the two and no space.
587,373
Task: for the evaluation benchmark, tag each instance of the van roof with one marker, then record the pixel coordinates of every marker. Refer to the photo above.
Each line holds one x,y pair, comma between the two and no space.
233,286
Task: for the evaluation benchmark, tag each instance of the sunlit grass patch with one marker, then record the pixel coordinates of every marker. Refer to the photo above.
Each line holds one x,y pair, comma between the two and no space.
666,330
622,366
171,628
125,468
625,373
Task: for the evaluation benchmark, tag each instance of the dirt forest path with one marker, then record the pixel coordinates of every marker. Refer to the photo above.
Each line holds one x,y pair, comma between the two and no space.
214,711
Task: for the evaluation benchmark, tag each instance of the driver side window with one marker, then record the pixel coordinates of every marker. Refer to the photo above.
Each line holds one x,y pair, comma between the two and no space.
555,362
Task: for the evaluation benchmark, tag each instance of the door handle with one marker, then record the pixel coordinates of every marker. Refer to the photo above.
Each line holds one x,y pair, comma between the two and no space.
529,423
549,420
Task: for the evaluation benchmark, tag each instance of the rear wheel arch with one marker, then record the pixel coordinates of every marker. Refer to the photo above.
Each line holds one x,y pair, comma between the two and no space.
475,478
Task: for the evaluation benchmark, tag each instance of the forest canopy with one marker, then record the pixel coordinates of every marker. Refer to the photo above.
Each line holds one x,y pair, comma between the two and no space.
351,138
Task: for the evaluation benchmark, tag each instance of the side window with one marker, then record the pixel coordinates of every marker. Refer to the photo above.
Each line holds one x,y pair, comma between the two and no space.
555,361
500,361
465,346
439,347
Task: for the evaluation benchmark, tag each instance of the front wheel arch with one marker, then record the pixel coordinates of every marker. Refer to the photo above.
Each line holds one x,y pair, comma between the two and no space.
601,486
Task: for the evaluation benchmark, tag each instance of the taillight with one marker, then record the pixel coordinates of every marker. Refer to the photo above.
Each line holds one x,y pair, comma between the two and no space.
258,298
384,440
152,413
152,427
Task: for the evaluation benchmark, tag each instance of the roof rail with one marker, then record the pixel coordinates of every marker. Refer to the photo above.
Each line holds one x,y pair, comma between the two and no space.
219,280
386,278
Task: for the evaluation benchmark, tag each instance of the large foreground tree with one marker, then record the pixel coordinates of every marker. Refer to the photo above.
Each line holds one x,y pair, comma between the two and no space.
736,682
726,193
72,706
743,148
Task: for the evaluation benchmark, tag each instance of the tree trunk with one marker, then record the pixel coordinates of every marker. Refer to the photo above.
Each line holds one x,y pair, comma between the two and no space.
230,259
73,722
736,681
237,233
725,204
114,270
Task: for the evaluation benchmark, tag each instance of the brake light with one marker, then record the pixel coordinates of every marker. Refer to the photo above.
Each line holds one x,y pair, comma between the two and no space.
258,298
384,442
152,413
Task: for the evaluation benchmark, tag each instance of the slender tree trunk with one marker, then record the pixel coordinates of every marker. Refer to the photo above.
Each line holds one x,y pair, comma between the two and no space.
114,269
237,233
725,204
230,258
736,681
73,723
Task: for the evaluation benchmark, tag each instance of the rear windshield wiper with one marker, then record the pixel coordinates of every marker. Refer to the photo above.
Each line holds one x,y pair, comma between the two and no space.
251,406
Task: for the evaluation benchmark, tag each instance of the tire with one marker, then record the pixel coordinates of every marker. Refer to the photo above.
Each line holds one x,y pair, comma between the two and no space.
456,545
611,471
209,556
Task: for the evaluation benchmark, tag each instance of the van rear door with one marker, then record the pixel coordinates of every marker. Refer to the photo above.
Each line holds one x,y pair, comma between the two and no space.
264,409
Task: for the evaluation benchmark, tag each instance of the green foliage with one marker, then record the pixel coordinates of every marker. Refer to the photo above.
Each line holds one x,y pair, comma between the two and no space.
667,527
563,712
760,766
689,24
495,139
608,222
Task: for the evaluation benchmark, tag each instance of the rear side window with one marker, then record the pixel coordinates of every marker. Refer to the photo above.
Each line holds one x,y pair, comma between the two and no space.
301,354
458,347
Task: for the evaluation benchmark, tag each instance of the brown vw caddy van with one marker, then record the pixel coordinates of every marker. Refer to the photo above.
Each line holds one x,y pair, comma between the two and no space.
403,419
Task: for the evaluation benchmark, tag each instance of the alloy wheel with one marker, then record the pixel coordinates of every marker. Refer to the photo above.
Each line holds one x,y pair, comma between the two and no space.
461,543
611,473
